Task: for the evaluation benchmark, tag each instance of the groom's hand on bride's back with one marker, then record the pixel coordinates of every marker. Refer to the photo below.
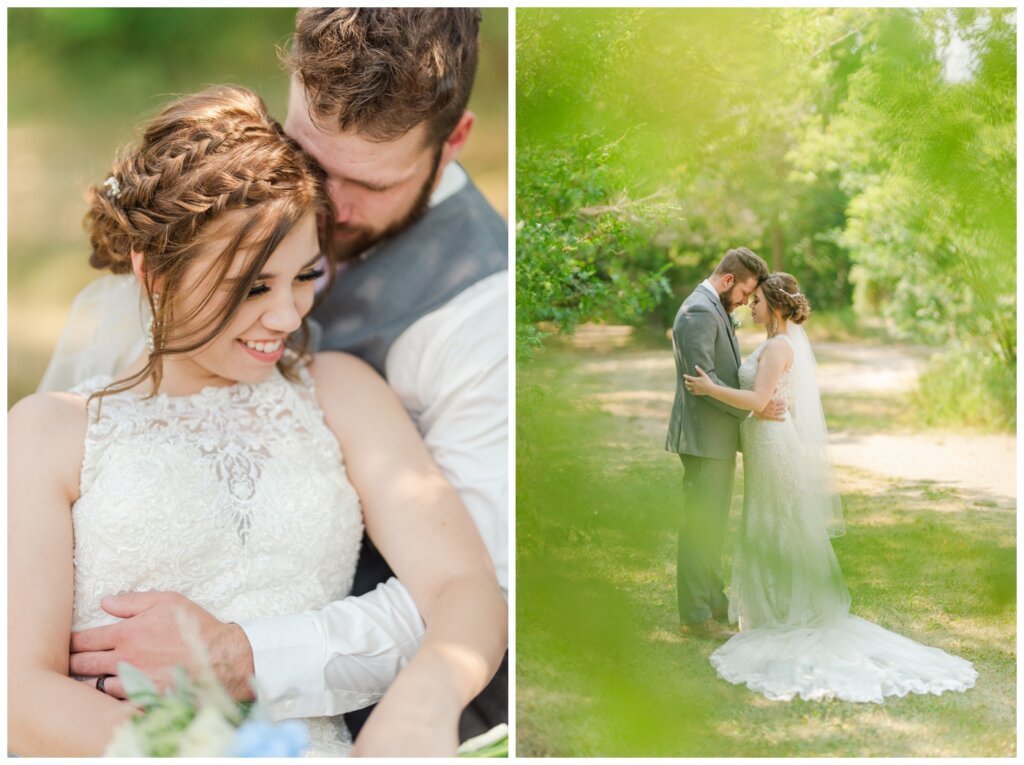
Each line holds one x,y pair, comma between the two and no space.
149,638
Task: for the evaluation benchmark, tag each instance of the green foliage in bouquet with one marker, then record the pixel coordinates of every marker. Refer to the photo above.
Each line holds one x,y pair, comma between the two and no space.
493,743
188,716
497,749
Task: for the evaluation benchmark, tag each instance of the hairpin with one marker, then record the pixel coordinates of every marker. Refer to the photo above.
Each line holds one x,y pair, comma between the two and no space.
113,188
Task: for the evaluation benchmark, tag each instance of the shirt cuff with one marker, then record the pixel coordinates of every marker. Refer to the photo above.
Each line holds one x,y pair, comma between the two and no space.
338,659
287,654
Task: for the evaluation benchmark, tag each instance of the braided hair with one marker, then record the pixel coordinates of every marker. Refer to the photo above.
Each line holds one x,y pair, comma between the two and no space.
782,293
210,168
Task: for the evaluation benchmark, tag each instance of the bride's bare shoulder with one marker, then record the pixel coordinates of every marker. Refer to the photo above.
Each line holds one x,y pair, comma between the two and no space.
778,348
53,411
355,397
345,380
338,369
47,431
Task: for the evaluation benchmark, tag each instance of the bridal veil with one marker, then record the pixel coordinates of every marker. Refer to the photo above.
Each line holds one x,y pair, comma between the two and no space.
809,422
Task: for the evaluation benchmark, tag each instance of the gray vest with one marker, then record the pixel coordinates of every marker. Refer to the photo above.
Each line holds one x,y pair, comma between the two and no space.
453,246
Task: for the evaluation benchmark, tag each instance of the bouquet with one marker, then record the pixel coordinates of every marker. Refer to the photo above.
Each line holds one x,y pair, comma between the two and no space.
191,719
197,717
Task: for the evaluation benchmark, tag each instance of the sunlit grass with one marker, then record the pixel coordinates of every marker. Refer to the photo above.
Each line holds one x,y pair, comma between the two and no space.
601,670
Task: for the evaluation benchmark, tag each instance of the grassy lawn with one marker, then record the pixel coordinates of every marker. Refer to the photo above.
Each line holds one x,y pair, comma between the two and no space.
601,670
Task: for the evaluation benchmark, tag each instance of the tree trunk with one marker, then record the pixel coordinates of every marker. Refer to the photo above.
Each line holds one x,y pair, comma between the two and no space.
776,246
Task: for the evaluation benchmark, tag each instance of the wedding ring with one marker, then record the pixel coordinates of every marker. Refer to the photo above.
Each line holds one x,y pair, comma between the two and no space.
100,681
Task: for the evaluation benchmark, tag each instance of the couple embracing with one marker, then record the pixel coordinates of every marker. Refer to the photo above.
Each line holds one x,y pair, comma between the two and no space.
796,636
194,455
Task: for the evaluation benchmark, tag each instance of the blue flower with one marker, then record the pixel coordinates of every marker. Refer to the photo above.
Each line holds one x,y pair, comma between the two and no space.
264,739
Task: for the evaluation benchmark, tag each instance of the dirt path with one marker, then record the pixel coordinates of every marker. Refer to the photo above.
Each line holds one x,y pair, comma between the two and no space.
640,385
983,465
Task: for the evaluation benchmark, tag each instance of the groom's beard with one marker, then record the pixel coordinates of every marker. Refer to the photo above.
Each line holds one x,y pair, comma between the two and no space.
728,299
352,241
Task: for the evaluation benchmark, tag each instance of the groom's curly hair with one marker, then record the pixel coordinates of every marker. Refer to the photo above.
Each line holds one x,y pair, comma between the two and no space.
383,71
214,173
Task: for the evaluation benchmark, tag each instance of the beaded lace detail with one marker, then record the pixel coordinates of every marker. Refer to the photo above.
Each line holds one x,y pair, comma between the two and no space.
236,497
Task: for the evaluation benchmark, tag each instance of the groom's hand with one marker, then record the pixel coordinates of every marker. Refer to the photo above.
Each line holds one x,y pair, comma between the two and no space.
774,410
148,637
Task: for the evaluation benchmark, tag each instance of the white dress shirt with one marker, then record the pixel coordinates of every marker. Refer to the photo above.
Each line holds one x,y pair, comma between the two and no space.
449,369
707,283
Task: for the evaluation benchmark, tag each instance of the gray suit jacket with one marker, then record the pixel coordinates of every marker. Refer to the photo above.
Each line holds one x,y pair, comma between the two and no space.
702,335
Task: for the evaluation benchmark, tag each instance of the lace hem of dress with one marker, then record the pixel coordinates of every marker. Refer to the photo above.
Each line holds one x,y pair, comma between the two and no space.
851,659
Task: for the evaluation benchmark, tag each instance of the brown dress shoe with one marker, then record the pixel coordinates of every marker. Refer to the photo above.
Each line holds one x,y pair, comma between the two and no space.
709,629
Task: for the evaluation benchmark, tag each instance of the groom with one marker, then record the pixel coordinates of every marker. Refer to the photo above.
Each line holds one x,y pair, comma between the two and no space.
421,295
705,435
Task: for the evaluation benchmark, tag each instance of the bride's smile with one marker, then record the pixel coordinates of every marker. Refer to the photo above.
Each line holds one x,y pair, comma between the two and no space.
272,309
235,503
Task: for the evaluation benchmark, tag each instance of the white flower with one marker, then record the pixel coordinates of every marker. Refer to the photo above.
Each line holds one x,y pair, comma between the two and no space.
113,188
208,735
124,743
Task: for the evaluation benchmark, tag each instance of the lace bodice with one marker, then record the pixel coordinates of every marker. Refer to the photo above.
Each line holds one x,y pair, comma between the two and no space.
768,436
236,497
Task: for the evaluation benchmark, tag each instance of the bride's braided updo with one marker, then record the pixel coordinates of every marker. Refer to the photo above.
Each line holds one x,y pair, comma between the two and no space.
783,295
201,158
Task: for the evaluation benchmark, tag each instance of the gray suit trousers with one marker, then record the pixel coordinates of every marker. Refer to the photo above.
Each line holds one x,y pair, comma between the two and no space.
707,487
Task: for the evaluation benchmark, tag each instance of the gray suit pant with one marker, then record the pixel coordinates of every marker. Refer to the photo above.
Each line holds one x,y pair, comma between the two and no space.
707,487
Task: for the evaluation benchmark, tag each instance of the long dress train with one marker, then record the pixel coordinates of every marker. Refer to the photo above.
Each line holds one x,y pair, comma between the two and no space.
797,637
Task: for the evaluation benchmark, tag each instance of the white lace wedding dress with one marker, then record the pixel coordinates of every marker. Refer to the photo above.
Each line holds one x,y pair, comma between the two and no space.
236,497
797,637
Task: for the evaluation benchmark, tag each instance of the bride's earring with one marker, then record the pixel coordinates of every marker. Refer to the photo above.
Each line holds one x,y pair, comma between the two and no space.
152,320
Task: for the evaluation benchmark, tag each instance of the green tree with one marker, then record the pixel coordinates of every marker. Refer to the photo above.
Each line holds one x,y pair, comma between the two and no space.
870,152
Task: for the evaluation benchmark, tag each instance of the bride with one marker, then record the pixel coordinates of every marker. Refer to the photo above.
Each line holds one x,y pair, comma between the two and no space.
797,637
226,463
